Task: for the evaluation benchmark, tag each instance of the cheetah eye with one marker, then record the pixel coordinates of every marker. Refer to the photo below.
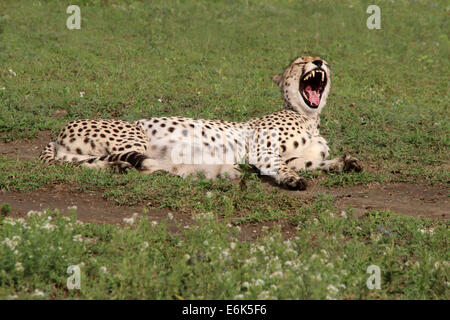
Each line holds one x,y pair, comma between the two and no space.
312,85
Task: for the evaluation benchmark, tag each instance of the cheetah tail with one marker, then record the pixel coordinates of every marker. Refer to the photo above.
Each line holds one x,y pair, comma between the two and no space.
127,159
48,155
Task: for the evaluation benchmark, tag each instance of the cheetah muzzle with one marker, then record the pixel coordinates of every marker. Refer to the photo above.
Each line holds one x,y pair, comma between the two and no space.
280,145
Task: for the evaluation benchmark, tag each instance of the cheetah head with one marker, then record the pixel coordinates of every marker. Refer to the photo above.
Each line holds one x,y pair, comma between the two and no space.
305,84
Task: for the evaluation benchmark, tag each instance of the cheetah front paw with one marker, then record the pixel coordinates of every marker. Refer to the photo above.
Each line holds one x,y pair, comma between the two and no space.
295,183
351,164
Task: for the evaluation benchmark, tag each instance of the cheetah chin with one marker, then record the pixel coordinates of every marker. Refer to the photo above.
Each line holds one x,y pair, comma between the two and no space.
280,145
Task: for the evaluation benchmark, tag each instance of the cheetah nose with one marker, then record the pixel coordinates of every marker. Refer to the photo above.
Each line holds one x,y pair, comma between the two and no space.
318,63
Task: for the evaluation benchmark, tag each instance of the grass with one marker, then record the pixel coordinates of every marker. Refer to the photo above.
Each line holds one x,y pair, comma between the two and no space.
135,60
328,259
132,60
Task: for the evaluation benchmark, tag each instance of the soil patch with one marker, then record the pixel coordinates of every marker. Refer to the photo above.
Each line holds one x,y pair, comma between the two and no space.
26,148
92,207
420,200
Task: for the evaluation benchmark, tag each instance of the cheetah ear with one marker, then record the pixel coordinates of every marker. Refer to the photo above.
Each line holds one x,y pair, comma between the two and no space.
276,79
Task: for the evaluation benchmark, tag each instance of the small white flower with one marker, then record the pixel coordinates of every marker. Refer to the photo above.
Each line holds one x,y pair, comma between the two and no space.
48,226
129,221
104,269
19,267
264,295
72,208
259,282
233,245
289,263
226,253
170,216
209,194
343,214
2,88
32,213
11,71
82,94
317,277
144,245
187,257
77,238
38,293
12,244
10,221
160,100
277,274
332,289
155,223
245,285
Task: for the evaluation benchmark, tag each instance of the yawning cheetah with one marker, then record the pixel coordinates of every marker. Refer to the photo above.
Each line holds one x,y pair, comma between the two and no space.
279,144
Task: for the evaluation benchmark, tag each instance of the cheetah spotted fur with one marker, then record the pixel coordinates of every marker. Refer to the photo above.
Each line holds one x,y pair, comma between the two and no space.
279,144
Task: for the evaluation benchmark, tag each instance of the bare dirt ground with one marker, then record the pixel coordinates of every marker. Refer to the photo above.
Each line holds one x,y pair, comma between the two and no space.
420,200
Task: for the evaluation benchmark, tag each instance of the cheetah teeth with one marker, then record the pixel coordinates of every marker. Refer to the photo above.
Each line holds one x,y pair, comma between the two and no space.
313,75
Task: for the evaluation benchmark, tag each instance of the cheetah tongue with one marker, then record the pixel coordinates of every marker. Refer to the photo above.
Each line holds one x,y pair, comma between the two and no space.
313,96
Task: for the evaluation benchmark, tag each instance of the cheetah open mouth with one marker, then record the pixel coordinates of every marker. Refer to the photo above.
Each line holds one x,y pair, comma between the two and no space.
312,85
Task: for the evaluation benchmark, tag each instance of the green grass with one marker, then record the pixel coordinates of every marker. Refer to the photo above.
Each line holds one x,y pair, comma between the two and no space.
214,59
328,259
388,104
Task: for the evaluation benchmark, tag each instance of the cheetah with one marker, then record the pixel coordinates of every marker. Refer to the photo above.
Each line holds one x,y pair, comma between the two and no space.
279,145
